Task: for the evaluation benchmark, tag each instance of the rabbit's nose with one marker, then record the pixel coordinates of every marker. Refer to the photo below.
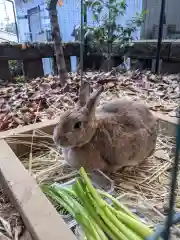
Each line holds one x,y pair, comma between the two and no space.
62,139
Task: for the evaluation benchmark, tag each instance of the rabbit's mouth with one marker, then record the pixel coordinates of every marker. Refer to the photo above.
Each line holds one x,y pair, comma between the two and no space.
61,141
67,144
64,143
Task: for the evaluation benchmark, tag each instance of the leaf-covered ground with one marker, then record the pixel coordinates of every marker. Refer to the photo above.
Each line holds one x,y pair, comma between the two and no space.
43,98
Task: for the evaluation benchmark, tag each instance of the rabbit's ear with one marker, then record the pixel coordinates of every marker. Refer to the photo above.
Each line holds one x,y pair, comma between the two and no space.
84,94
93,100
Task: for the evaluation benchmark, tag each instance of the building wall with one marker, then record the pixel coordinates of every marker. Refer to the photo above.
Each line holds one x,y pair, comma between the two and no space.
152,18
23,26
21,11
8,36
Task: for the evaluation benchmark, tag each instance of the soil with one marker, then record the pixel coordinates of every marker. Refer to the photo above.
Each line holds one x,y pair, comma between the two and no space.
11,225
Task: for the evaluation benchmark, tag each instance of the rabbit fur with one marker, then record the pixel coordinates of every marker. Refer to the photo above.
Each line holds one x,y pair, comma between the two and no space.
118,134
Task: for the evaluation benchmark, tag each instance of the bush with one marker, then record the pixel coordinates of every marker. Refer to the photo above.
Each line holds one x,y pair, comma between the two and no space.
106,29
16,68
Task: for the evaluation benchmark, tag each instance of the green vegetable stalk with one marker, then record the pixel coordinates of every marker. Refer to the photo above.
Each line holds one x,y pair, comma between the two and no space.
79,189
62,196
118,205
140,228
106,214
99,220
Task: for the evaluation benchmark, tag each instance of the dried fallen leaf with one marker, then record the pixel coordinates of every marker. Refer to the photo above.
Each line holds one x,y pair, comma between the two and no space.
161,155
3,237
6,226
19,101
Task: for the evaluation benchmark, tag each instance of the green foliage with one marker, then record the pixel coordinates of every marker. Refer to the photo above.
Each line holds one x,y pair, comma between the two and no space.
15,67
106,29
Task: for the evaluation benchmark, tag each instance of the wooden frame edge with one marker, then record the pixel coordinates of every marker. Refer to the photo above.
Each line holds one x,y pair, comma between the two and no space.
27,128
38,214
49,124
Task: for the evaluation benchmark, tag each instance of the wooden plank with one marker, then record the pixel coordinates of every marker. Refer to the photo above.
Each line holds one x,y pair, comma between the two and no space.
167,126
166,67
55,66
18,134
38,214
175,51
147,49
46,126
5,73
35,50
142,49
33,68
68,63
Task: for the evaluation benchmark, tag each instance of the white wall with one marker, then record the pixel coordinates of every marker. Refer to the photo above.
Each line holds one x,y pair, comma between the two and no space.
171,11
23,27
8,36
21,11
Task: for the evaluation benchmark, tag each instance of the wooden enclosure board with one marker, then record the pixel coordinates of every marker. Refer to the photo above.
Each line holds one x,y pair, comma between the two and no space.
38,214
31,51
141,49
20,132
166,124
47,126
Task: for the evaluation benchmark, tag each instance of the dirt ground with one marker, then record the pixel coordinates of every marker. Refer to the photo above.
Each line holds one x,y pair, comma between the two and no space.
10,221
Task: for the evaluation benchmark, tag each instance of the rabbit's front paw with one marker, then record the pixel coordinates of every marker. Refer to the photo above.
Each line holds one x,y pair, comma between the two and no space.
128,169
112,169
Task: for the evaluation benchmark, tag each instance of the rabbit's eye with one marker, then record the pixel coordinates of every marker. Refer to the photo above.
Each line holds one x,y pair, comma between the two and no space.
77,125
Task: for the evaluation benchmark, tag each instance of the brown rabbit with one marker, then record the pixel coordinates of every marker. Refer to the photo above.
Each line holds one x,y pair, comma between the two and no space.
118,134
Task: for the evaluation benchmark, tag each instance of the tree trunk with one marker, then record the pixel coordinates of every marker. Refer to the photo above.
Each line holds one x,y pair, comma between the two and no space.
58,48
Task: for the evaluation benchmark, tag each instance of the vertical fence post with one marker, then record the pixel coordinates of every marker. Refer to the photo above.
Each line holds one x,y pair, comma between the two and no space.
33,68
5,73
82,40
56,35
160,34
86,38
173,185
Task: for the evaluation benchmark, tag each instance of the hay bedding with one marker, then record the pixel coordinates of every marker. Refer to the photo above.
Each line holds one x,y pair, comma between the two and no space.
146,188
149,182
